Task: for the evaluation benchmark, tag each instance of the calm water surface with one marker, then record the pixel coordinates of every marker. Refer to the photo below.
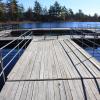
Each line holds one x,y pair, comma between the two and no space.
95,52
8,59
60,25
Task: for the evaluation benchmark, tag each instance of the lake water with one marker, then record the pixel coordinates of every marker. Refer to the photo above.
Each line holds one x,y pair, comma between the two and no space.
60,25
7,59
95,52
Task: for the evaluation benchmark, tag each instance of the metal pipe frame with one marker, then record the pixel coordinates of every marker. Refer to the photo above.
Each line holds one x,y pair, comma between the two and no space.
3,68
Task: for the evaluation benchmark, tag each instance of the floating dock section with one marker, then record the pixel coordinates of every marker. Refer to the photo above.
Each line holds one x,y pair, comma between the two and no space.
53,70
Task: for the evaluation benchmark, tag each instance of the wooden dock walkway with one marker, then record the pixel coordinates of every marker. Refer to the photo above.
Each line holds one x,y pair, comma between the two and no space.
48,37
53,70
5,33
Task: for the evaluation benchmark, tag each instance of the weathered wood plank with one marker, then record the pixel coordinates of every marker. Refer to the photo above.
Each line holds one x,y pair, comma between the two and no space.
53,70
95,71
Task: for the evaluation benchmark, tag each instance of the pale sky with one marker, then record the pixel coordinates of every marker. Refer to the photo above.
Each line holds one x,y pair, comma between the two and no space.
87,6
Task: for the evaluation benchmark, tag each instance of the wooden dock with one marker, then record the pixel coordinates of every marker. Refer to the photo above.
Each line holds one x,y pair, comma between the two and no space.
53,70
48,37
5,33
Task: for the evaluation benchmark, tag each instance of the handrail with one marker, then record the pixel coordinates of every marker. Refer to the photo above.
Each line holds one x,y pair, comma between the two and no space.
3,57
13,48
90,40
15,56
15,39
87,40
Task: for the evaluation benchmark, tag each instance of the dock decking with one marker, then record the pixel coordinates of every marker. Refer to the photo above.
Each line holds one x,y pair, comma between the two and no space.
53,70
5,33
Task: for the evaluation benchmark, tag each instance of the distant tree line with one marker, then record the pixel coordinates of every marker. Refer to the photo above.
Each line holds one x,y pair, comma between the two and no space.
13,11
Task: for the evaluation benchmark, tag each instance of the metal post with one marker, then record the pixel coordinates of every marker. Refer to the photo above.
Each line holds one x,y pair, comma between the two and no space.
44,36
18,48
82,37
57,37
94,43
1,65
32,35
70,33
25,41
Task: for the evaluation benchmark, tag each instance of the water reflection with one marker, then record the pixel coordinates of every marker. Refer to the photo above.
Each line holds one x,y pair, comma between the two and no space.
94,52
7,60
59,25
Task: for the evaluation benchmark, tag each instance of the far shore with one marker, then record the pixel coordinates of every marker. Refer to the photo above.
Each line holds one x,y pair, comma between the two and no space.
17,22
22,22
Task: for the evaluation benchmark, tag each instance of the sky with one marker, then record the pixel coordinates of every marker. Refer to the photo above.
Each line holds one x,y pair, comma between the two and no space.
87,6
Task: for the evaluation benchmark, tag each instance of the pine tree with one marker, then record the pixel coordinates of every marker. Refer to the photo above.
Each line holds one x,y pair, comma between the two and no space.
51,11
2,11
57,9
13,8
37,8
29,14
64,13
21,12
44,11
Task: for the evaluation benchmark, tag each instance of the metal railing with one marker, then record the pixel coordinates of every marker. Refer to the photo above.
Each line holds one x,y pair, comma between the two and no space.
8,26
20,45
28,33
82,38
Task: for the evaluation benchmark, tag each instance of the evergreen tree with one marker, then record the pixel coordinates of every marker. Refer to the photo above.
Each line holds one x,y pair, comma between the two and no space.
13,9
64,13
29,14
37,8
95,17
21,12
51,11
2,11
57,9
44,11
80,15
71,12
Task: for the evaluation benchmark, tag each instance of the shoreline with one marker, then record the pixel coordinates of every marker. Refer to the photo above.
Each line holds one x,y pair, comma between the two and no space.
23,22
